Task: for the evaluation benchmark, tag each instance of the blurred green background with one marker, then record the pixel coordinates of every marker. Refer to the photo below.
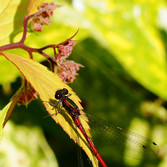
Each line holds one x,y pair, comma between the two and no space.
122,45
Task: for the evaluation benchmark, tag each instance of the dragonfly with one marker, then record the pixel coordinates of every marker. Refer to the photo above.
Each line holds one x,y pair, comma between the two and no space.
62,96
135,142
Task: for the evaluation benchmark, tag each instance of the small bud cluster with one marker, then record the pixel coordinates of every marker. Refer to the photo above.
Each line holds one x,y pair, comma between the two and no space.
26,96
67,70
64,50
43,16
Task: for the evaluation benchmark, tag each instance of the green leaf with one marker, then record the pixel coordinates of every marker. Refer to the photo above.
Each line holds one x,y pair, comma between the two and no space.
12,13
34,4
25,146
11,21
133,38
3,113
11,17
46,84
8,71
130,32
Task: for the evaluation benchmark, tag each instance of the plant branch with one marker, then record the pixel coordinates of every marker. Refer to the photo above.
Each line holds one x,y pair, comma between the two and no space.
25,21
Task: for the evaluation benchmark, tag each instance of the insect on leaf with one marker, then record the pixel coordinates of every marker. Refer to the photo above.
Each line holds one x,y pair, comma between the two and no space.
46,84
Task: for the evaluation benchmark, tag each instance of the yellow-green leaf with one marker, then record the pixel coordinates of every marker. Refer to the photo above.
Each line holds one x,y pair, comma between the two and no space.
11,17
46,84
129,30
25,147
132,31
3,113
34,4
8,71
12,13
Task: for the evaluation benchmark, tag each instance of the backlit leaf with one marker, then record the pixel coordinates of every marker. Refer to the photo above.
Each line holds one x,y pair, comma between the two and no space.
24,146
46,84
11,17
8,71
12,13
3,113
34,4
129,31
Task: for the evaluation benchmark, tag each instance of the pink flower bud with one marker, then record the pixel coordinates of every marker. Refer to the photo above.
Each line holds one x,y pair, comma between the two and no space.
26,96
64,50
67,70
42,17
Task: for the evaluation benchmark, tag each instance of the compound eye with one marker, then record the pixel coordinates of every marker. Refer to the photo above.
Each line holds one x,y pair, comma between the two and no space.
57,96
65,91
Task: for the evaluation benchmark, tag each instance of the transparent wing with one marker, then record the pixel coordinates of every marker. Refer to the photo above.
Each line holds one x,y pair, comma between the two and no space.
135,145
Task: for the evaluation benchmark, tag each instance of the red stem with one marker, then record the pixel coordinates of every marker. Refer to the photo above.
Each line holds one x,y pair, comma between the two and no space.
30,50
26,18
